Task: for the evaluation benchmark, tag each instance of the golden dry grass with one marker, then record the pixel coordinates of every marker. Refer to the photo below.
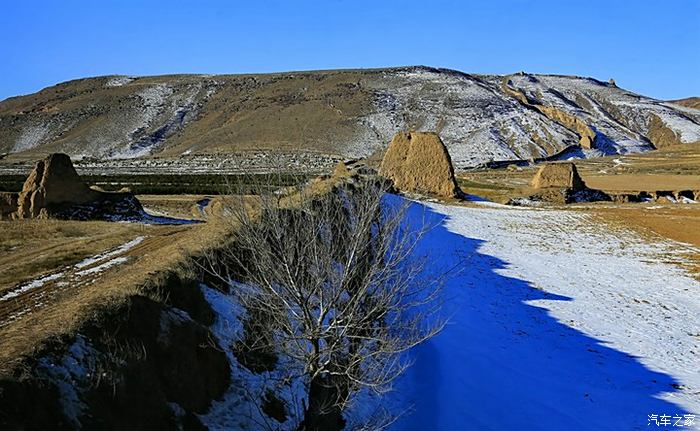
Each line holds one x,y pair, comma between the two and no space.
690,102
675,222
673,168
497,185
29,248
166,248
678,160
643,182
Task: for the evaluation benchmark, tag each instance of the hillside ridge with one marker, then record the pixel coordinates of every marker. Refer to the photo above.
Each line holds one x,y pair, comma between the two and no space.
345,113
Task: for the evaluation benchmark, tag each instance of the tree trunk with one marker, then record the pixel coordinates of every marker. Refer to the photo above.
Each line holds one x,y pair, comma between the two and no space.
323,412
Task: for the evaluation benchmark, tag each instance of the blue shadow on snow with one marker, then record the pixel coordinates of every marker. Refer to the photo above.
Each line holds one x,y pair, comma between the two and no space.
501,364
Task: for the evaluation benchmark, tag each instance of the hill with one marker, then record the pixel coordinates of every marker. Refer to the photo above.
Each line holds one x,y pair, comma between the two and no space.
345,113
690,102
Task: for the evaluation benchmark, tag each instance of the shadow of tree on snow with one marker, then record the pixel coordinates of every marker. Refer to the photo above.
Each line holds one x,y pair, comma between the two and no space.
501,364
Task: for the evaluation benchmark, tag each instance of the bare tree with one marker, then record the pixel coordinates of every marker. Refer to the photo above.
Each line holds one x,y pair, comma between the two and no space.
330,279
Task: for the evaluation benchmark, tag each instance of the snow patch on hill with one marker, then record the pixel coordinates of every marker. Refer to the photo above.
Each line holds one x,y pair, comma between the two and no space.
166,111
118,81
687,130
31,137
477,120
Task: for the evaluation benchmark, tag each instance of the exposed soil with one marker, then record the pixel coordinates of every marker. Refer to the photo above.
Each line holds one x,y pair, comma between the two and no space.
419,163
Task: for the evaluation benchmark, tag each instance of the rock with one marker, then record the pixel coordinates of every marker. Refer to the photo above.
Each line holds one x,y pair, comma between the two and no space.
612,82
54,189
418,162
660,134
8,205
558,175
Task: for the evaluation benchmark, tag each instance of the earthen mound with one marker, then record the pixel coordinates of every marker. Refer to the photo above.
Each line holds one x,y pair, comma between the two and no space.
559,183
419,163
53,182
558,175
54,189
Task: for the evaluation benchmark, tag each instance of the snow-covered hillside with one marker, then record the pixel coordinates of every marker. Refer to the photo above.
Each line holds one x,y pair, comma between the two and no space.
554,324
348,113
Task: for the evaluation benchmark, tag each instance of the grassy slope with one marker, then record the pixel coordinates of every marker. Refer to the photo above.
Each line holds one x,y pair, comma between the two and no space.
247,112
165,249
30,248
690,102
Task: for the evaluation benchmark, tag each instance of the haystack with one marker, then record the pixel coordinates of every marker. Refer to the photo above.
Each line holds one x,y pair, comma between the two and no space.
558,175
419,163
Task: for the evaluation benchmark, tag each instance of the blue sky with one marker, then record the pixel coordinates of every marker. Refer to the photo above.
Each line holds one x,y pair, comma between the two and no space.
650,47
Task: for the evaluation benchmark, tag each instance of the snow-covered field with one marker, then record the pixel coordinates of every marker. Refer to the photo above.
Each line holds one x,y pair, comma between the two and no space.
555,323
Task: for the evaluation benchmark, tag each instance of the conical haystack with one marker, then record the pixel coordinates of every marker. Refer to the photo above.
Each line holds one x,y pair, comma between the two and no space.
418,162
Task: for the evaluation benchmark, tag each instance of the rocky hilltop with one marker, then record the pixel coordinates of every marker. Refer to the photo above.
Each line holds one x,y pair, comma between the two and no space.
344,113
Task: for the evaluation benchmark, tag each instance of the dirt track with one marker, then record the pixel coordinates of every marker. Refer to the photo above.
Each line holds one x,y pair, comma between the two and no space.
61,283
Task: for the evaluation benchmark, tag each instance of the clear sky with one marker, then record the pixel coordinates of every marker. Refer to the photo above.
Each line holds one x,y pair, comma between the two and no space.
648,46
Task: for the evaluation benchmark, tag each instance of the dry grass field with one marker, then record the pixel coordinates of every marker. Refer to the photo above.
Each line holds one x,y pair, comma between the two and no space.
673,168
638,182
675,222
98,266
57,306
30,248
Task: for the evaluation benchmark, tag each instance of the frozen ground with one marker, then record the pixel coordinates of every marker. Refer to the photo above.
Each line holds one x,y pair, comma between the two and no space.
241,406
555,324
